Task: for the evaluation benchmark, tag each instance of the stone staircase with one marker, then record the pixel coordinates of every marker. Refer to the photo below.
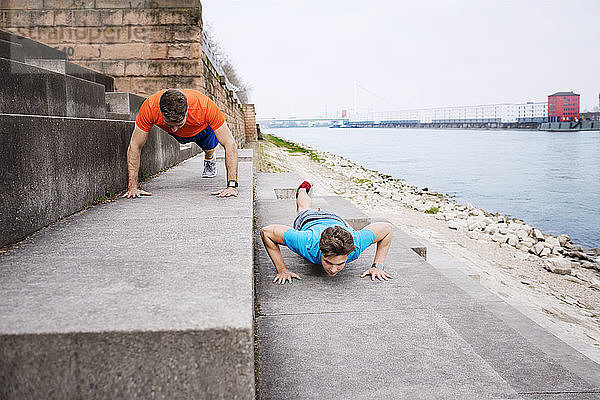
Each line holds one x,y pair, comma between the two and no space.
145,298
64,138
432,332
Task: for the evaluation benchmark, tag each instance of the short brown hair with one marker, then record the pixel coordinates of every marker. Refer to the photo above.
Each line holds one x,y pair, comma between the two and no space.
336,241
173,105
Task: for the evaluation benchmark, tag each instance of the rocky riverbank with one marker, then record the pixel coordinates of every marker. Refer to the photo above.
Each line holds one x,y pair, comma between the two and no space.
517,261
558,252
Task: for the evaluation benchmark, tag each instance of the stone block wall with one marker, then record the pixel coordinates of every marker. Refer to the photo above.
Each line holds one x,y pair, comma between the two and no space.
146,45
250,122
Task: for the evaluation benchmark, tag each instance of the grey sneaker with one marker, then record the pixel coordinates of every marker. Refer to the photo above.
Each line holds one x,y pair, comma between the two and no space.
210,168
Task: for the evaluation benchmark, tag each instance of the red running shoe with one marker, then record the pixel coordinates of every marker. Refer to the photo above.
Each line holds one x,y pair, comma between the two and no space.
304,185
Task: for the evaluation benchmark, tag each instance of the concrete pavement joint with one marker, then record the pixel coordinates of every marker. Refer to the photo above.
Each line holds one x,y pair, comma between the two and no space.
341,312
563,392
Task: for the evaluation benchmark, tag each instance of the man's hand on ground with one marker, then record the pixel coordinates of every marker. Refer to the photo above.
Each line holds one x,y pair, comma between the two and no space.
227,192
376,273
133,193
285,275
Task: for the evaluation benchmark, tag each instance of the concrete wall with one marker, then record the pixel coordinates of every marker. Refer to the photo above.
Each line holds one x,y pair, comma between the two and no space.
55,166
571,126
147,45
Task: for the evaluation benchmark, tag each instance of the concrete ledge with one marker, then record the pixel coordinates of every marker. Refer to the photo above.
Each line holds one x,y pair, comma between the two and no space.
356,218
124,103
243,154
128,365
11,51
414,244
120,117
135,299
68,68
31,48
26,89
266,185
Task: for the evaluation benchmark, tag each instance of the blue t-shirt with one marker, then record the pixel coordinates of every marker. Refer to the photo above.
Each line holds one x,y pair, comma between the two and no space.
306,241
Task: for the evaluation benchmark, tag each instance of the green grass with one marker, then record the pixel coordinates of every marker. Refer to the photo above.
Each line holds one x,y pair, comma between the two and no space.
294,148
315,157
108,196
289,146
362,180
432,210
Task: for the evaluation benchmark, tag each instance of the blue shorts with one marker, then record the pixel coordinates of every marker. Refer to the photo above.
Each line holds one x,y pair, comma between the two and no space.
206,139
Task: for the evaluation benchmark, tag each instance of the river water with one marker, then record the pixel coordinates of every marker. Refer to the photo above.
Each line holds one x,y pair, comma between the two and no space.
551,180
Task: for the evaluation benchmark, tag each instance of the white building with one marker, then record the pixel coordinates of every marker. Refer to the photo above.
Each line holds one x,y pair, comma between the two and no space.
532,112
525,112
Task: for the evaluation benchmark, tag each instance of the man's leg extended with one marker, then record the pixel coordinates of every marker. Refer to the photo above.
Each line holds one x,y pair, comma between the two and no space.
210,163
208,142
303,201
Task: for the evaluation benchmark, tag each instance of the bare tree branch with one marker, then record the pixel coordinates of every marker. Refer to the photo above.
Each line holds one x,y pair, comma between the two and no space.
242,89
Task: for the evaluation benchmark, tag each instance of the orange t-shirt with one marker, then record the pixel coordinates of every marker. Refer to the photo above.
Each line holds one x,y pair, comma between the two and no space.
202,112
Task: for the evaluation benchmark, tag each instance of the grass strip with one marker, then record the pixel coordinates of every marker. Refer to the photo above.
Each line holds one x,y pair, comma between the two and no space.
293,147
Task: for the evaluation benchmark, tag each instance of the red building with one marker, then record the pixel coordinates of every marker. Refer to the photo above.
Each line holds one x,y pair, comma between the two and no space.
563,106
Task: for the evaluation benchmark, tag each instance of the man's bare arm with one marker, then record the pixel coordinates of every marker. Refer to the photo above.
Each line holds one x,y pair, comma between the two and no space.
272,237
384,233
138,140
225,137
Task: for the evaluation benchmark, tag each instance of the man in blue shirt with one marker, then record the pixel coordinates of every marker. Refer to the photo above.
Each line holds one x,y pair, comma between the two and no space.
324,238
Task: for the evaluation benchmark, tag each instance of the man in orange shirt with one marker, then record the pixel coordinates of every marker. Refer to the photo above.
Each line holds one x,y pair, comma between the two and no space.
188,116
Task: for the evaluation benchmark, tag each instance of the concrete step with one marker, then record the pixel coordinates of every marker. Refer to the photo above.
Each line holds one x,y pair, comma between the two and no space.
273,188
123,105
11,51
31,48
118,116
283,186
415,245
135,299
26,89
68,68
423,335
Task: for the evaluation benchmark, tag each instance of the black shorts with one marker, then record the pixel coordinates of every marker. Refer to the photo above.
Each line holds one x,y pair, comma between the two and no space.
311,215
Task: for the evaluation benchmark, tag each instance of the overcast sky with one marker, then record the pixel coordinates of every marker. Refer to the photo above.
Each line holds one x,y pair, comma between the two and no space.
302,57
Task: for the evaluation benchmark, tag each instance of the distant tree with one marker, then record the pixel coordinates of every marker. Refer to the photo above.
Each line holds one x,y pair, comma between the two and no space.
242,89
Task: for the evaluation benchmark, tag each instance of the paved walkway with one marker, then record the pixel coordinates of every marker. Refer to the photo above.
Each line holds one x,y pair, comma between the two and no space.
430,333
153,298
144,298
